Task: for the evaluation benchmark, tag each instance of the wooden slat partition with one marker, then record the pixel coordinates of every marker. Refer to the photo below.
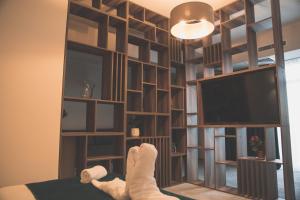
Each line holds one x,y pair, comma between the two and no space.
257,179
162,166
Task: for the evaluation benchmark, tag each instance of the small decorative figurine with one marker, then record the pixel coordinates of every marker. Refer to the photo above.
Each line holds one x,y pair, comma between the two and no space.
87,91
135,132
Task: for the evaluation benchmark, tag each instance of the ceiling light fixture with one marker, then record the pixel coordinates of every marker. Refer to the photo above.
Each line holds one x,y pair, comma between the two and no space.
192,20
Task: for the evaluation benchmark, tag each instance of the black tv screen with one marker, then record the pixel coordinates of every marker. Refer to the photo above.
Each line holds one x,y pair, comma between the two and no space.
243,98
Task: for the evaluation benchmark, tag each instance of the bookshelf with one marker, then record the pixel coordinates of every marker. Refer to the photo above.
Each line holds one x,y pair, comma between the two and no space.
216,56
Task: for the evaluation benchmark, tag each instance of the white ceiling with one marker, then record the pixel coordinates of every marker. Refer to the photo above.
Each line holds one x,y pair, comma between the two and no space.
290,9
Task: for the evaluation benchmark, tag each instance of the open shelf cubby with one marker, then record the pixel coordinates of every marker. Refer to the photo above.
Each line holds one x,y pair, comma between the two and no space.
162,125
149,98
177,97
159,55
141,30
134,101
149,73
109,117
134,75
78,116
105,147
178,119
138,49
179,173
162,79
163,102
146,124
179,141
156,19
178,75
136,11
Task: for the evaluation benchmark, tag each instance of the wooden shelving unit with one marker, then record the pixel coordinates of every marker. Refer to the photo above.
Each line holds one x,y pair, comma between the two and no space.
207,156
144,78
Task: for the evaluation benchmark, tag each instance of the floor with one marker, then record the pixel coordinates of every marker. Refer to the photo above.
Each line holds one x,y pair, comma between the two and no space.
201,193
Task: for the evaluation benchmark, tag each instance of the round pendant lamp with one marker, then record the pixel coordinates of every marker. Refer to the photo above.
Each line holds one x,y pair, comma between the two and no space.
192,20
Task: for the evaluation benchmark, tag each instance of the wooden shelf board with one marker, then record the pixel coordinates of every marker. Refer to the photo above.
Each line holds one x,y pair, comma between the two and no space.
141,113
178,154
81,99
137,24
241,126
213,64
166,114
200,148
146,137
268,47
106,157
113,3
162,67
78,46
192,113
238,72
85,11
196,60
192,126
235,22
261,25
162,90
233,7
240,48
227,162
149,84
178,109
197,182
226,136
137,40
177,87
178,128
134,91
74,134
276,161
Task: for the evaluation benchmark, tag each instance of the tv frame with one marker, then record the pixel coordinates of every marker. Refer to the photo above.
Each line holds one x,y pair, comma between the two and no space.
238,124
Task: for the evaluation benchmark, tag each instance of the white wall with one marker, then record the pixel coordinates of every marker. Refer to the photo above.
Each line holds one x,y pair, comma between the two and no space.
32,39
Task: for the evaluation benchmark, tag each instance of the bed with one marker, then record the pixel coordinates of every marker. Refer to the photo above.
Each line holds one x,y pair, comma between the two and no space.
66,189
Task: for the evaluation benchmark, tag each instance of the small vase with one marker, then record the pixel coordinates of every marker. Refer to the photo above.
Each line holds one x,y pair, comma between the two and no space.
135,132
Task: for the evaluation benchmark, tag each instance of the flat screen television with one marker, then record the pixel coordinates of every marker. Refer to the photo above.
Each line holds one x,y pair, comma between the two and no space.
242,98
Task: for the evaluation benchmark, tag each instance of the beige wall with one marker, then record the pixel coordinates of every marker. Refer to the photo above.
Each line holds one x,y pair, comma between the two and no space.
32,36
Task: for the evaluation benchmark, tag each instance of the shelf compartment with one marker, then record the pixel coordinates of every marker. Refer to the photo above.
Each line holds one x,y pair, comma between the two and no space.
146,124
159,55
178,119
73,156
162,102
138,49
136,11
261,25
149,98
162,79
134,101
177,98
162,37
94,69
105,148
235,22
162,125
177,50
149,74
78,116
156,19
134,75
178,75
109,117
178,169
234,7
141,30
179,140
117,7
77,134
240,48
117,39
